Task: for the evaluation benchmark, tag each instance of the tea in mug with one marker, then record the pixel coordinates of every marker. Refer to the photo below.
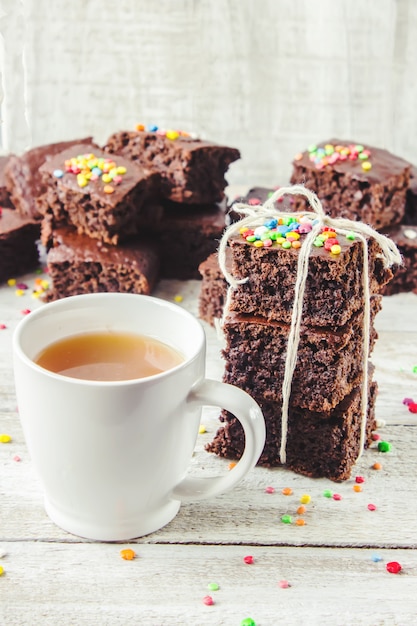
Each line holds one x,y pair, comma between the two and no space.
108,356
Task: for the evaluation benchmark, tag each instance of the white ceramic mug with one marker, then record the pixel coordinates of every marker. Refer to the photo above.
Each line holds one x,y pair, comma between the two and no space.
112,457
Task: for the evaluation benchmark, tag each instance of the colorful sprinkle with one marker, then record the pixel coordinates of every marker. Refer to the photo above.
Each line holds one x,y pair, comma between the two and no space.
412,407
247,622
371,507
3,326
287,491
393,567
178,298
305,498
11,282
376,558
377,466
384,446
1,570
17,458
286,519
269,489
5,438
408,401
208,600
357,488
25,312
359,479
213,587
202,429
248,560
284,584
232,465
337,496
327,493
376,436
330,154
301,509
300,522
127,554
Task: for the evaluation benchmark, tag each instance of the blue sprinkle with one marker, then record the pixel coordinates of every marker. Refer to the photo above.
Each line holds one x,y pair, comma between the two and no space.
152,128
271,223
283,230
376,558
97,171
58,173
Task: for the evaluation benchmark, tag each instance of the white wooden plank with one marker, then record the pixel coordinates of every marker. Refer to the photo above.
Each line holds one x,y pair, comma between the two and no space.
51,584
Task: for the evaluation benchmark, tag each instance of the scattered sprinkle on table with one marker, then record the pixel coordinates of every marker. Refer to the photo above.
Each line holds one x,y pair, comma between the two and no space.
17,458
286,519
376,558
1,571
357,488
3,326
213,587
269,489
284,584
408,401
384,446
371,507
178,298
393,567
327,493
300,522
5,438
377,466
412,407
25,311
287,491
208,600
305,499
247,622
337,496
231,465
202,429
359,479
128,554
301,509
248,559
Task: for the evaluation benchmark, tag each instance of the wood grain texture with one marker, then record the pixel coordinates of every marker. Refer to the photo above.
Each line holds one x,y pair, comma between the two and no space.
268,78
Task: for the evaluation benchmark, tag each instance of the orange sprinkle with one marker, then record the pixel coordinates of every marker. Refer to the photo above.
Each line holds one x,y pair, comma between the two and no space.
295,244
300,522
287,491
140,127
357,488
108,189
301,509
127,554
377,466
232,465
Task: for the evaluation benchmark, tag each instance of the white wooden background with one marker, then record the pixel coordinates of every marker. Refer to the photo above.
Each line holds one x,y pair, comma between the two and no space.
266,76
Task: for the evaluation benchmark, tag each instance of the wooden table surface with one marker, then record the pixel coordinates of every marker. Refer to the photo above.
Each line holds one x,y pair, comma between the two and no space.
335,564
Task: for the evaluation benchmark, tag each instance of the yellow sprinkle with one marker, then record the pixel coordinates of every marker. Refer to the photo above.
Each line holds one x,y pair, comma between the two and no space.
45,284
108,189
106,178
36,294
305,498
5,439
366,165
1,571
81,180
11,282
20,292
258,243
231,465
243,230
172,134
336,249
121,170
178,298
202,429
127,554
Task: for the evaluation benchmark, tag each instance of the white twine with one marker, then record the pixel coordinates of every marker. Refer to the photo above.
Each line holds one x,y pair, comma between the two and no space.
256,216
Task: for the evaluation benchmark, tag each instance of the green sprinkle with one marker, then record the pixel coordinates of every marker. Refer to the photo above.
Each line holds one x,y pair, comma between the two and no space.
213,587
327,493
351,235
312,148
38,271
329,149
359,148
415,369
247,622
318,243
251,238
286,519
286,244
384,446
363,156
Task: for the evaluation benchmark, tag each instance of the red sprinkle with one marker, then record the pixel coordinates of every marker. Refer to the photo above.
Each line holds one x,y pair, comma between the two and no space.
412,407
337,496
284,584
25,312
17,458
269,490
371,507
408,401
3,326
376,436
208,600
359,479
254,201
248,560
393,567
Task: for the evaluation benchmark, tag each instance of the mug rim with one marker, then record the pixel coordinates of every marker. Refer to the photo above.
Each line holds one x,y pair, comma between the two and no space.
62,302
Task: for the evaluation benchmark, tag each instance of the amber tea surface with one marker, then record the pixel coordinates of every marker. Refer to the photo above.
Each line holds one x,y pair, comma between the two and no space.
108,356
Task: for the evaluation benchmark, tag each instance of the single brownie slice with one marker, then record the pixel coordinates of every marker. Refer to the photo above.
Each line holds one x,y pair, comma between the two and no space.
191,170
101,196
78,264
22,175
405,276
411,206
212,294
185,236
18,248
333,291
357,182
319,444
329,363
5,200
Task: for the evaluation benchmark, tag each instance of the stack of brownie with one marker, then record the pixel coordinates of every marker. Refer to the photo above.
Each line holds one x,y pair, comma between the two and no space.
325,428
147,205
367,184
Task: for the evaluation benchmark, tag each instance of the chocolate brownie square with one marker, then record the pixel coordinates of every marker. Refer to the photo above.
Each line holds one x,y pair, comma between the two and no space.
185,236
18,248
333,292
191,170
78,264
101,196
329,362
361,183
405,276
319,444
22,177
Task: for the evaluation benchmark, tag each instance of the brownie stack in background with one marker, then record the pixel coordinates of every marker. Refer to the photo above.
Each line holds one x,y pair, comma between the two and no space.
324,421
366,184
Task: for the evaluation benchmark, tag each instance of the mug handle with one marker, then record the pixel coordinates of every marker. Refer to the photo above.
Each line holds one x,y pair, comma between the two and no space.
247,411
